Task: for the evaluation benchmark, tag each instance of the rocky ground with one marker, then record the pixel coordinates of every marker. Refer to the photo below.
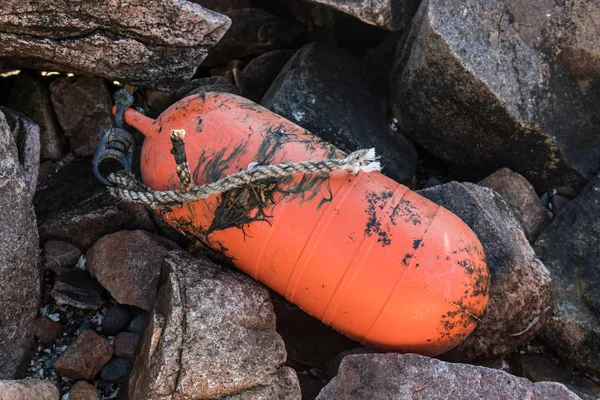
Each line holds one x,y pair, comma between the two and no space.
489,108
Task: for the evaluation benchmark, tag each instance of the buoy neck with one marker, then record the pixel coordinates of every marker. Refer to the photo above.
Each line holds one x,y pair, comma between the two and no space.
139,121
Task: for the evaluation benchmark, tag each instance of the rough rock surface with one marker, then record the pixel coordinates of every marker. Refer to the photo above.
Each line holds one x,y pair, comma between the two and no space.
519,302
84,358
570,248
499,103
522,199
57,254
28,390
127,264
78,289
19,269
32,98
82,390
254,31
26,135
317,88
390,14
75,207
120,39
83,107
46,330
410,376
259,73
211,333
125,343
540,368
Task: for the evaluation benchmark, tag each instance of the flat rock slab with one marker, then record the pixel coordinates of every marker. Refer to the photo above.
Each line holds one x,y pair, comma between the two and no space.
389,14
469,90
19,269
333,94
410,376
152,43
570,248
519,301
211,334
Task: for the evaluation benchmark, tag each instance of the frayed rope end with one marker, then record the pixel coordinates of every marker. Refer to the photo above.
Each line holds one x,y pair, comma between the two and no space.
368,162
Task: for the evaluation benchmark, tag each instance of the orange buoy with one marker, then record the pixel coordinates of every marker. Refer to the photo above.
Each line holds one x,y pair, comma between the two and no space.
362,253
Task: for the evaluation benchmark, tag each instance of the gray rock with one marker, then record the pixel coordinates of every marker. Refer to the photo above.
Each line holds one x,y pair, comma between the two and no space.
115,320
469,90
410,376
138,324
390,14
57,255
19,269
127,264
540,368
258,75
120,40
78,289
522,199
519,302
211,333
254,31
32,98
115,369
27,138
317,88
570,248
83,107
75,207
28,389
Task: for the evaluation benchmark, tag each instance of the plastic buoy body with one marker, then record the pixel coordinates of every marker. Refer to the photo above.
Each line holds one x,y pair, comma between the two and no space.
362,253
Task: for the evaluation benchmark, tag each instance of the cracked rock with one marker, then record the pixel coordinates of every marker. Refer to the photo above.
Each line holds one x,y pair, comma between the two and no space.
469,90
150,43
211,334
519,302
410,376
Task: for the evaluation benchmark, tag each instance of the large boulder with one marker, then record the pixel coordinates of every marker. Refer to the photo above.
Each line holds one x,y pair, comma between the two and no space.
19,270
211,334
333,94
410,376
570,248
152,43
519,302
468,89
389,14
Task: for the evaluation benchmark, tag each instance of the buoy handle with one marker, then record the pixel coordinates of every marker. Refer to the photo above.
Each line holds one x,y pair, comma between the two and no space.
138,121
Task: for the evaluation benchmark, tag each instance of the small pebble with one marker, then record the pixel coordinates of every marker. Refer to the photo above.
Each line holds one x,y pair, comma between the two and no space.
125,344
138,324
431,182
115,369
115,320
82,390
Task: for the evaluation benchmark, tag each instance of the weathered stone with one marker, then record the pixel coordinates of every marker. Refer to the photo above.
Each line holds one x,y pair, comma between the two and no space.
410,376
540,368
120,39
75,207
27,138
522,199
519,283
114,370
570,248
389,14
46,330
78,289
57,254
32,98
19,269
28,389
83,108
566,30
254,31
222,6
84,358
469,90
258,75
138,324
317,88
115,320
211,333
127,264
125,343
82,390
